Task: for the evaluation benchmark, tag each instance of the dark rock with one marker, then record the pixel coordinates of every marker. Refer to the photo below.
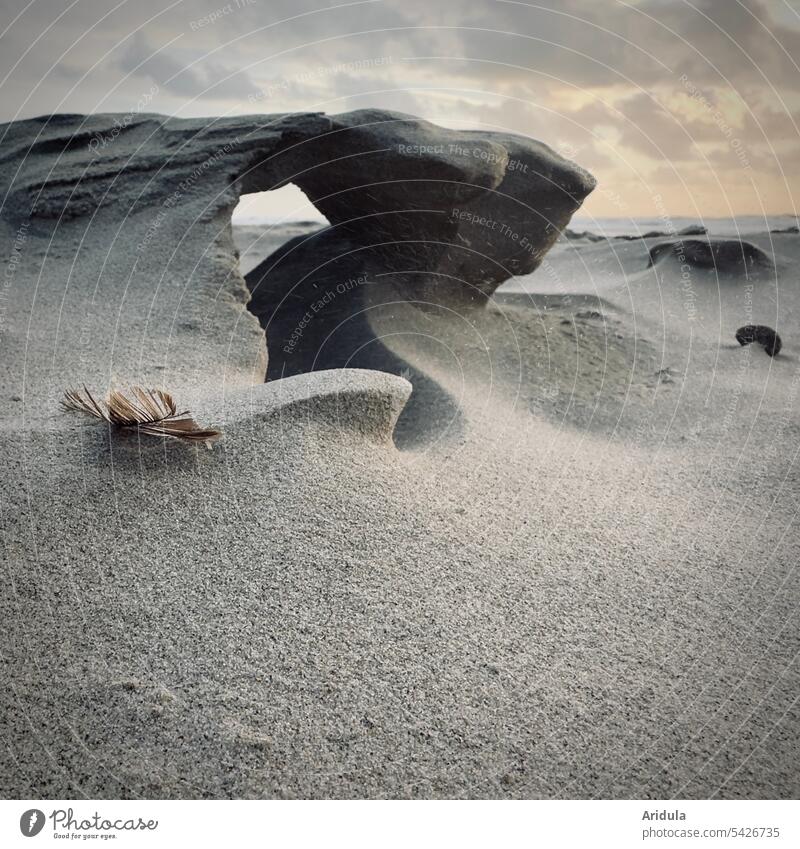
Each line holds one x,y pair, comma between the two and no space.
428,216
651,234
377,171
691,230
721,255
538,195
586,234
73,166
762,334
418,213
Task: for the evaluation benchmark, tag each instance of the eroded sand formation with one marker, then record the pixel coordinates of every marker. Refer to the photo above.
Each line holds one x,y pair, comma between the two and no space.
535,576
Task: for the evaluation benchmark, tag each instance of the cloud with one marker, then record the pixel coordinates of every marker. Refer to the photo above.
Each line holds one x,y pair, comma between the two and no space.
651,129
198,78
611,81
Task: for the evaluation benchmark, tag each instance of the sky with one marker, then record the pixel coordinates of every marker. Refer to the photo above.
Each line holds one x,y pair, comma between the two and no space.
678,107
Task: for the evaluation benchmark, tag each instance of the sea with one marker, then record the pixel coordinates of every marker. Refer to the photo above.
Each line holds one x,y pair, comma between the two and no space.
257,238
723,227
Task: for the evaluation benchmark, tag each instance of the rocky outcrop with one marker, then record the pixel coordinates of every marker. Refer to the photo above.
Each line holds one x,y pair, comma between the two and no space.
720,255
420,214
417,212
689,230
574,235
78,166
123,263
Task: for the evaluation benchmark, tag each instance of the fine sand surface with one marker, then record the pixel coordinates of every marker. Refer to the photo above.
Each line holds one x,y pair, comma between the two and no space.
582,585
553,555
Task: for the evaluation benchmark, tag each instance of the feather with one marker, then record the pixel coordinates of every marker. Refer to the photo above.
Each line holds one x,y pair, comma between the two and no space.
149,411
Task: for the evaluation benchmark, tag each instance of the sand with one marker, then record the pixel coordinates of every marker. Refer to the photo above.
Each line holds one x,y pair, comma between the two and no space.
567,570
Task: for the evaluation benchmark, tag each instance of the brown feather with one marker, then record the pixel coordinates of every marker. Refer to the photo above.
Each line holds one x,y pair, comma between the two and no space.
149,411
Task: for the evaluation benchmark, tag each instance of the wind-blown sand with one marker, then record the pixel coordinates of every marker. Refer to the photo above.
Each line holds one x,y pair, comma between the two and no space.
568,571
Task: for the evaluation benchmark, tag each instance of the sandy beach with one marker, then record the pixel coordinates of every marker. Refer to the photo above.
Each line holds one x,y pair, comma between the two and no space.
538,541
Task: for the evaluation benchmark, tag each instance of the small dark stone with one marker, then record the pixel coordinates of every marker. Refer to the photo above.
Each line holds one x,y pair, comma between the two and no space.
762,334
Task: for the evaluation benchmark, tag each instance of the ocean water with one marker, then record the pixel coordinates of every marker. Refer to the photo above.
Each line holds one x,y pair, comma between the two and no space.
257,239
716,226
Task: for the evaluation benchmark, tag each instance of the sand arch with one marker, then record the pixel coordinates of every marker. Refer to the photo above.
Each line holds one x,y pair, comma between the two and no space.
418,214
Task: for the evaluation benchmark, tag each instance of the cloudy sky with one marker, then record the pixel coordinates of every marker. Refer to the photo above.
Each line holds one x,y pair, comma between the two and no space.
679,107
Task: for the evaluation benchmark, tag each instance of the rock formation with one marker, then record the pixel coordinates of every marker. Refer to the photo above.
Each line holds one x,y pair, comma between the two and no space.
493,604
720,255
574,235
762,334
689,230
417,212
